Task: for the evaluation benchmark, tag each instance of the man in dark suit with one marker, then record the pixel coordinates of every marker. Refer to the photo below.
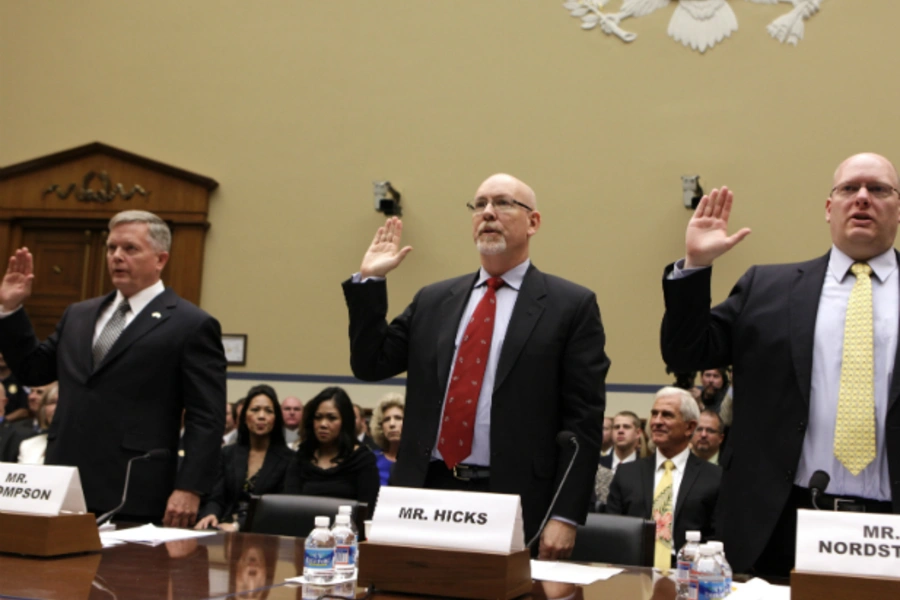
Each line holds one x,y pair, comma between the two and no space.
533,350
126,372
695,483
783,330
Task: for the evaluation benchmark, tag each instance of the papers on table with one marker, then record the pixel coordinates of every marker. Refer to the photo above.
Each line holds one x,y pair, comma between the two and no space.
150,535
759,589
563,572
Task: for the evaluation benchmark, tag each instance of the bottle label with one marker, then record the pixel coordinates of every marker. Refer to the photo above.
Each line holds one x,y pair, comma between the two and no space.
344,556
684,571
712,589
319,558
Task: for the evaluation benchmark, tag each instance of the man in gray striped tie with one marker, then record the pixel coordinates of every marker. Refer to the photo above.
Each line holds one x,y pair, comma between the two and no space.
128,364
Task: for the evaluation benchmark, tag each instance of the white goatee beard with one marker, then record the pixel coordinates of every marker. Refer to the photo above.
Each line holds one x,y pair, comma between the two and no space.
491,247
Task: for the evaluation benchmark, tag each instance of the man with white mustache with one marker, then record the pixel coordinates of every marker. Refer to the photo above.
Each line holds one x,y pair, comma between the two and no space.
498,363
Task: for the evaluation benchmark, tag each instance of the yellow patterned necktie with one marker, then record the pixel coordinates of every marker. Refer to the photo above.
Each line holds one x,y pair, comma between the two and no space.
854,431
662,514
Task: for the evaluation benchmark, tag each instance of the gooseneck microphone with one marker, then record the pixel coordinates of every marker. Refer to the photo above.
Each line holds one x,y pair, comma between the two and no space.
563,439
157,453
817,484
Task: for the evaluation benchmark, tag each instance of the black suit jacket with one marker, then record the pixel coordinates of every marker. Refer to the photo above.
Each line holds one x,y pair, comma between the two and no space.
765,329
223,500
169,358
550,378
631,493
606,461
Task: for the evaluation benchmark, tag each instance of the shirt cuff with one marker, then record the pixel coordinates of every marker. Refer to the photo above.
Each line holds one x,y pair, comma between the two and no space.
563,520
679,272
357,278
6,313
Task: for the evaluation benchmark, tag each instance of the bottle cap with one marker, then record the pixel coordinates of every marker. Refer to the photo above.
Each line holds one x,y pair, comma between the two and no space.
707,550
345,509
719,546
342,519
322,521
692,536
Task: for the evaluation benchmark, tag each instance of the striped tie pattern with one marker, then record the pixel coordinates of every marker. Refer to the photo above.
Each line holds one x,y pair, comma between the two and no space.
111,332
854,431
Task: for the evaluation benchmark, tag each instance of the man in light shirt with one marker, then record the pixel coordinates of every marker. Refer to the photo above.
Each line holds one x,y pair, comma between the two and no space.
626,436
782,329
292,411
708,436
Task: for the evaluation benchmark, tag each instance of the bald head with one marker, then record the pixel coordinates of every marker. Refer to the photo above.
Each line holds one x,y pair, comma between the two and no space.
505,183
866,158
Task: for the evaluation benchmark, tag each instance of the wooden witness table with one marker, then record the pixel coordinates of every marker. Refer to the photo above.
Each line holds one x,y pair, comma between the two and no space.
238,565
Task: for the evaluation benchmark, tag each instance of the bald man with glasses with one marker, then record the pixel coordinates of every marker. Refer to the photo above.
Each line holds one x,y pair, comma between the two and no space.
813,385
498,363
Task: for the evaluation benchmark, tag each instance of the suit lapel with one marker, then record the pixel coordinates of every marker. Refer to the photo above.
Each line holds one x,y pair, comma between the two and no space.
691,472
806,290
451,311
154,314
648,466
528,309
239,470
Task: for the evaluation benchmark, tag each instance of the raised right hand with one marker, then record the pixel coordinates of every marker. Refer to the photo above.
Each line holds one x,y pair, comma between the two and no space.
385,254
707,236
16,285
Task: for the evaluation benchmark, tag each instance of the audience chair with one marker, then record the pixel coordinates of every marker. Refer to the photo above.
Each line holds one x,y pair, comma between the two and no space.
616,539
285,514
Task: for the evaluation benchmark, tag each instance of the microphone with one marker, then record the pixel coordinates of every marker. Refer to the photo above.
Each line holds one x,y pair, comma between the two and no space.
563,439
156,453
817,484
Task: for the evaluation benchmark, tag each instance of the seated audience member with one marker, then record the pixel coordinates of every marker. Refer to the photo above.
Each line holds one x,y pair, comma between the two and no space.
16,395
387,424
292,410
714,388
330,460
626,440
255,465
362,429
607,447
24,428
708,436
672,487
32,449
231,419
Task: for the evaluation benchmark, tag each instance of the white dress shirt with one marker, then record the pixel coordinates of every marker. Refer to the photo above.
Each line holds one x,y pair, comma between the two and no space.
818,444
616,462
136,304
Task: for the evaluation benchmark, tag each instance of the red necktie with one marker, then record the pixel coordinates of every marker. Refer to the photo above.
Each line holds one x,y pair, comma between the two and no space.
458,420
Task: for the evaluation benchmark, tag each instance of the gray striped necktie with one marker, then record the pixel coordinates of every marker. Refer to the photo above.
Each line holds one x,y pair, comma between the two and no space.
111,332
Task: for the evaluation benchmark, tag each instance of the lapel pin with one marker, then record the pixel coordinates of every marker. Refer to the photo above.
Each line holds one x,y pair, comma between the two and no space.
156,315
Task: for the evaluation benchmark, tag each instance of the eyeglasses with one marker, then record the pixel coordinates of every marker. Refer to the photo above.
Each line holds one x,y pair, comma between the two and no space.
875,189
499,204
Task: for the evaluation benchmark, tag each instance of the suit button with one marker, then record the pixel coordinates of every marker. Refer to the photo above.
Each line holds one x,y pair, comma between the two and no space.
789,475
801,426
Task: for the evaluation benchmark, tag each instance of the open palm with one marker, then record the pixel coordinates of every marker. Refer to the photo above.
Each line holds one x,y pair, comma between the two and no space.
385,253
707,236
16,285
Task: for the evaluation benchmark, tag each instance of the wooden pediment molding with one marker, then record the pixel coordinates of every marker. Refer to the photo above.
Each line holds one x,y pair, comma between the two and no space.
59,205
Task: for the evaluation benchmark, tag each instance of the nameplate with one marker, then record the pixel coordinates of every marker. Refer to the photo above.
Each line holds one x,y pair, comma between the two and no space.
446,519
849,543
40,489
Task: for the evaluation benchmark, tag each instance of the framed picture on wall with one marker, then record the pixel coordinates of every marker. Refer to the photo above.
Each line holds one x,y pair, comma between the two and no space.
235,348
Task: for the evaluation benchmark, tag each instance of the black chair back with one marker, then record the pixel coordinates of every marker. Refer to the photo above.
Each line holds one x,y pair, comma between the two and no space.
285,514
616,539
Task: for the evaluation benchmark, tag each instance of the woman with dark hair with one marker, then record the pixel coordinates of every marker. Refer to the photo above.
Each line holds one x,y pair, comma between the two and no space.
255,465
330,460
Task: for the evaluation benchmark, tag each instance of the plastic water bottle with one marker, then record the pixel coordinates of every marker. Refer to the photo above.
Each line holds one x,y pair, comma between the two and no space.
710,577
726,568
344,546
346,509
318,557
684,559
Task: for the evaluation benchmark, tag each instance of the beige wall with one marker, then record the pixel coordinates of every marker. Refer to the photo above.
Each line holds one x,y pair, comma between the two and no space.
296,106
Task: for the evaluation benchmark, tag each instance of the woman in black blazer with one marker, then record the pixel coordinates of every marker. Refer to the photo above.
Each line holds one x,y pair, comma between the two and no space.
255,465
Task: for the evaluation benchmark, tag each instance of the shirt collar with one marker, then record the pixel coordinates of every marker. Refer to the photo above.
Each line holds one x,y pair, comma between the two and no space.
679,460
882,265
512,278
139,301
